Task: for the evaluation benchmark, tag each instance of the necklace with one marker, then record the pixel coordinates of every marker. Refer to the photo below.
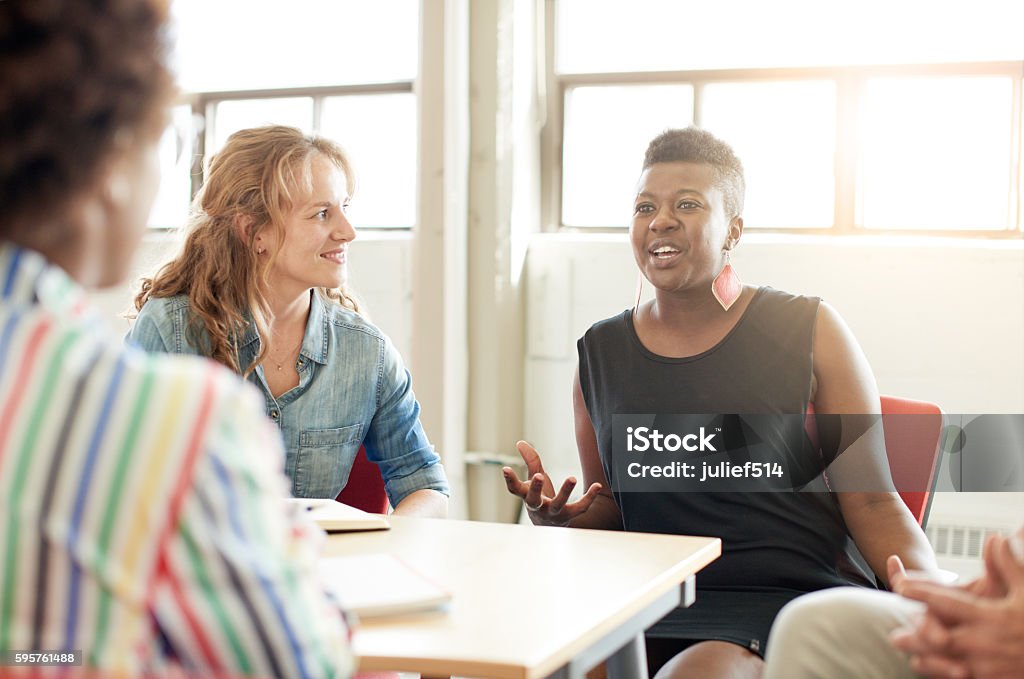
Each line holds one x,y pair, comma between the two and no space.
280,365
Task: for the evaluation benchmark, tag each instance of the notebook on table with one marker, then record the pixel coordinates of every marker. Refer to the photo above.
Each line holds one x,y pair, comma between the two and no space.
334,517
376,585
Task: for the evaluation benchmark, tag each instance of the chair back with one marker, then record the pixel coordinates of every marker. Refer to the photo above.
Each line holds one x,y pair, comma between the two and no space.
912,447
365,487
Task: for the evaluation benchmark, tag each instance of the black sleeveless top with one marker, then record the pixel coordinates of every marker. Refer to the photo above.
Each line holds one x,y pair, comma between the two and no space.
775,545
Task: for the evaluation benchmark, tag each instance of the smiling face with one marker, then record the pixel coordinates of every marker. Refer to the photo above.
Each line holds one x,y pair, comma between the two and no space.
679,228
316,231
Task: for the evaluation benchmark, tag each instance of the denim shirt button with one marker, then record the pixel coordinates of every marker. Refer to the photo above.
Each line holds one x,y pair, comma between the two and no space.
273,414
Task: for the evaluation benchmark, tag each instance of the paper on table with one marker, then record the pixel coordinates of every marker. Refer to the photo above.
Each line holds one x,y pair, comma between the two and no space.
374,585
334,516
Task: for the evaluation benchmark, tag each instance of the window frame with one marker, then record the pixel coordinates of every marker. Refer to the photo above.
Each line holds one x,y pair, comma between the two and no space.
849,81
204,106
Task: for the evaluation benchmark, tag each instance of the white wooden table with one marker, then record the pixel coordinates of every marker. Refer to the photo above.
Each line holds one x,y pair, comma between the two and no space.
528,601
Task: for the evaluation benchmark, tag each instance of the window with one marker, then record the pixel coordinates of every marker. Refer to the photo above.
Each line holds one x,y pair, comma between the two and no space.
762,121
944,141
176,151
229,116
243,63
594,187
384,157
865,117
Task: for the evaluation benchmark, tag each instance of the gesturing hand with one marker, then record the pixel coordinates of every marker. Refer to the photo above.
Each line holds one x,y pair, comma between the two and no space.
538,493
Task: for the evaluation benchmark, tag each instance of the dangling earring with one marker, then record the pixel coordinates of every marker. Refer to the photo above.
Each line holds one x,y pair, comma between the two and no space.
260,251
727,286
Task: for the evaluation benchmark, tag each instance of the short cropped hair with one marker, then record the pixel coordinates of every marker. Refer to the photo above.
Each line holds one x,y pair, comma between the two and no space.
694,145
79,81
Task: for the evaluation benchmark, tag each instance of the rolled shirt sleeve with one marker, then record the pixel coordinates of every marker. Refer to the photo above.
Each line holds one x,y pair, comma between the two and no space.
396,440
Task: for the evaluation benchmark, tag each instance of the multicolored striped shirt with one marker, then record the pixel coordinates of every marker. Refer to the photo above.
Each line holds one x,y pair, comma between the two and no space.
141,512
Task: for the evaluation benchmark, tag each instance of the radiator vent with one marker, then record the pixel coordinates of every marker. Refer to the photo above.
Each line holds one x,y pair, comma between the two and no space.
959,541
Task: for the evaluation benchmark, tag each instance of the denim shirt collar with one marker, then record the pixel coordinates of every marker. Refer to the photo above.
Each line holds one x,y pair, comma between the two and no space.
315,344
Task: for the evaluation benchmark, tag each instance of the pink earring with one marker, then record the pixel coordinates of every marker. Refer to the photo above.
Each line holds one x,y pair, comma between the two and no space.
727,286
260,251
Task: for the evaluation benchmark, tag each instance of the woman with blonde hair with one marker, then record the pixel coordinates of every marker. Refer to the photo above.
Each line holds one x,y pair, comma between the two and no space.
260,286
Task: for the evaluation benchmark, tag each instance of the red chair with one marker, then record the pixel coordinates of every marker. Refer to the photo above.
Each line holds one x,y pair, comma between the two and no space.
912,446
365,487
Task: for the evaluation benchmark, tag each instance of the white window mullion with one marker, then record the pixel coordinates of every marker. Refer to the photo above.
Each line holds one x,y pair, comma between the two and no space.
847,174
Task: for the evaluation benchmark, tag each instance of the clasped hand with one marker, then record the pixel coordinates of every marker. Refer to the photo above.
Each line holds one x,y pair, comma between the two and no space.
975,630
545,507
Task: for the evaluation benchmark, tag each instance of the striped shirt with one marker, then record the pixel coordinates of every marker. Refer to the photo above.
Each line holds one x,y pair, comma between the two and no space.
141,518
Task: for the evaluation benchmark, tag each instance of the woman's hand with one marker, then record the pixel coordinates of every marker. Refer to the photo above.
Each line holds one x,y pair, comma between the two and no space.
546,508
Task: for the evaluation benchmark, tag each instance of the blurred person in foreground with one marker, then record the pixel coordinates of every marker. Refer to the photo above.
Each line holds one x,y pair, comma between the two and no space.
141,497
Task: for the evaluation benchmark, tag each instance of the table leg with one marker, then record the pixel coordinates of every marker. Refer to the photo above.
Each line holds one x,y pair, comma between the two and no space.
630,661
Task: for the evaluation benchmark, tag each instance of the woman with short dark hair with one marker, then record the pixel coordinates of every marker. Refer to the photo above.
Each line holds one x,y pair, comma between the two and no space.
708,348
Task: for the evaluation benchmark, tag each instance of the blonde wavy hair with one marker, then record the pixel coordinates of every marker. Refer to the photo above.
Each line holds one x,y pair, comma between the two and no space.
249,187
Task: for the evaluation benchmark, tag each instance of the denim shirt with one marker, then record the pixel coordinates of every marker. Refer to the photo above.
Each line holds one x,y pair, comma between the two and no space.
353,389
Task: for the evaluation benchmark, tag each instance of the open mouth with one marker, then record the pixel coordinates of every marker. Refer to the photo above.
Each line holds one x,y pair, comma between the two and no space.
334,256
664,252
